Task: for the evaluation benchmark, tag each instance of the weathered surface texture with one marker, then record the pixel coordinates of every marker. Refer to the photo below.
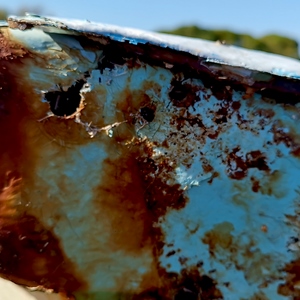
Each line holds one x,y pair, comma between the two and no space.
133,171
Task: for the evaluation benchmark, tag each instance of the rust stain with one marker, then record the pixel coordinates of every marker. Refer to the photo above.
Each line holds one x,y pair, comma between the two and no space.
222,115
93,111
270,185
266,113
130,103
292,281
238,165
31,254
214,175
207,168
183,121
64,132
134,192
219,236
249,93
287,136
264,228
228,249
8,48
258,296
255,185
183,94
134,197
214,135
236,105
190,284
30,249
121,197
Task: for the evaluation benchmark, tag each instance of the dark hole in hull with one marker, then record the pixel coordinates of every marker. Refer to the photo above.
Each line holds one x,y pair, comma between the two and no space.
65,103
147,113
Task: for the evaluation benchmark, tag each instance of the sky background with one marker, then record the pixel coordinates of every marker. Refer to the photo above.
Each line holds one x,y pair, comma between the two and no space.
256,17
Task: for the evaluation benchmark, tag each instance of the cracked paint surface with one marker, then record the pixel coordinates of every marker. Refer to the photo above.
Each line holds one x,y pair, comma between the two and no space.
131,172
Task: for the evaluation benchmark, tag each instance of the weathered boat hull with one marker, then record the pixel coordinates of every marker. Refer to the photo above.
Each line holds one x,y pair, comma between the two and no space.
134,168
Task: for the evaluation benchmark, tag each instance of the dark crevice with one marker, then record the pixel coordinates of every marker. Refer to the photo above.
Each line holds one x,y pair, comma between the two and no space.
65,103
147,113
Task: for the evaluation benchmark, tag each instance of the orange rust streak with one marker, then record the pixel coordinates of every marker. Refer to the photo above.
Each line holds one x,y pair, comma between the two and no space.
31,254
132,199
121,197
134,194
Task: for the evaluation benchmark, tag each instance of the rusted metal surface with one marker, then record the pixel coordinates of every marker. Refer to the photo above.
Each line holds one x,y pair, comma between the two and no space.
134,168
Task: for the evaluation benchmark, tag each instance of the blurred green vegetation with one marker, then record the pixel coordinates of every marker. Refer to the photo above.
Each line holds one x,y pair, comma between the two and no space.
270,43
20,11
3,14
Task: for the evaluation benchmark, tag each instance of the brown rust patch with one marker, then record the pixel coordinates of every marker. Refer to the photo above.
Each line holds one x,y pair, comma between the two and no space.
121,197
160,196
270,185
8,48
255,185
183,94
190,284
219,237
287,136
229,249
264,228
30,253
222,114
266,113
292,281
238,165
214,135
235,105
5,50
182,121
258,296
207,168
249,93
134,196
93,110
214,175
130,103
255,159
134,191
64,132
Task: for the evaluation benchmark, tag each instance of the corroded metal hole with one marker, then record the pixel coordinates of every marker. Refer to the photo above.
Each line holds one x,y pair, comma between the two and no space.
65,103
147,113
178,92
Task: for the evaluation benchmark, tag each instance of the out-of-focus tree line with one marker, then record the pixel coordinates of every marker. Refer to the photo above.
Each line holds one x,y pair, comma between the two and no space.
270,43
20,11
3,14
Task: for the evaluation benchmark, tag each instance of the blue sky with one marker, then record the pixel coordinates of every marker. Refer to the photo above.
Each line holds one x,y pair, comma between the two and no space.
256,17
